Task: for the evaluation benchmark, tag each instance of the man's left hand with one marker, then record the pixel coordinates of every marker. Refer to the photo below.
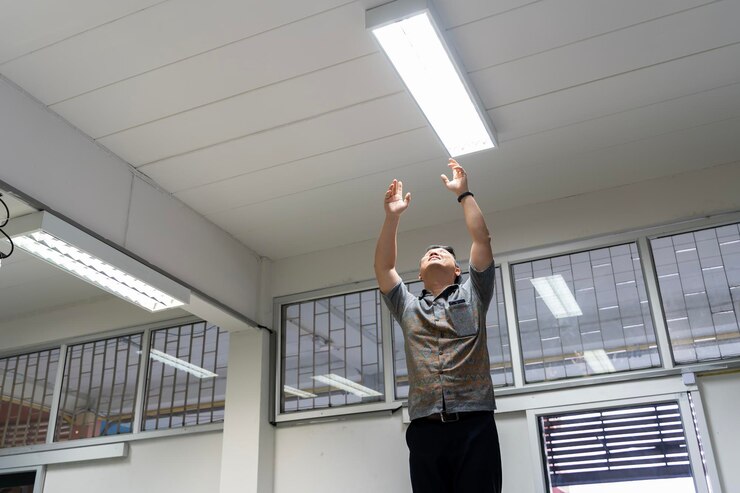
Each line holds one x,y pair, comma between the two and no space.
459,182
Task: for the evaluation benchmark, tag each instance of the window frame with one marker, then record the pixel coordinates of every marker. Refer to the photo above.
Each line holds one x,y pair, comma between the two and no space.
691,421
137,433
505,261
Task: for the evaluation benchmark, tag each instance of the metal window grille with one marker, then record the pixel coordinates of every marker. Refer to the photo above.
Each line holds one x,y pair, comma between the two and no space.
636,443
332,352
699,281
186,382
99,388
496,333
26,393
583,314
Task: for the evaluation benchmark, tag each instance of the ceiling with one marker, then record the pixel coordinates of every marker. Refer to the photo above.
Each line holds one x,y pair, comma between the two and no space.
282,123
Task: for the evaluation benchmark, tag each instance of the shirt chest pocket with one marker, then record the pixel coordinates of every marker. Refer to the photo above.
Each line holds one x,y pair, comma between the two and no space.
462,319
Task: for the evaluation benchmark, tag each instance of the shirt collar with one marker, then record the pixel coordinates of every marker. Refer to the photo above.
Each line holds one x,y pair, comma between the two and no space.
445,292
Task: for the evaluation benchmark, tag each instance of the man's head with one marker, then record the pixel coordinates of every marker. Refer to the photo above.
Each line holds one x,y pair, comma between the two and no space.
439,265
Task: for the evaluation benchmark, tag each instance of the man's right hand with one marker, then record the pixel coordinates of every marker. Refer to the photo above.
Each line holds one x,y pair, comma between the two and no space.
395,203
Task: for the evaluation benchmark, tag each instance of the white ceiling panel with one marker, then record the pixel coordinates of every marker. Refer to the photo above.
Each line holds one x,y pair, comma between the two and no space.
29,26
280,122
347,127
389,153
149,39
273,56
659,41
541,26
631,90
320,92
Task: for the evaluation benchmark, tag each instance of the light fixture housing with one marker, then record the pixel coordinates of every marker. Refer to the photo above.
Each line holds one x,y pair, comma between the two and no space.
68,248
556,294
409,35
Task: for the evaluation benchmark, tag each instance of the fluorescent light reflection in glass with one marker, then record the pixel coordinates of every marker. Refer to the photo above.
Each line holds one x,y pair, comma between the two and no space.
347,385
421,60
557,296
180,364
93,270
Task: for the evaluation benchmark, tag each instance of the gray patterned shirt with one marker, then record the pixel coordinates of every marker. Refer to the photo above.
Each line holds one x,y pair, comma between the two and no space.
445,342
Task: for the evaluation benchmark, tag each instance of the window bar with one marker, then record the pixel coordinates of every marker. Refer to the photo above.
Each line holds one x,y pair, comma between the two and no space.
313,350
213,384
2,391
5,436
91,374
174,377
517,357
102,377
141,402
653,293
16,430
200,380
162,369
187,374
79,383
119,419
378,339
619,304
56,395
700,422
31,402
113,380
386,330
43,395
344,352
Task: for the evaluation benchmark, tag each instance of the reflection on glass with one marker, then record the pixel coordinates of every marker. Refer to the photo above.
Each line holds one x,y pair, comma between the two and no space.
186,381
99,388
584,314
332,352
699,280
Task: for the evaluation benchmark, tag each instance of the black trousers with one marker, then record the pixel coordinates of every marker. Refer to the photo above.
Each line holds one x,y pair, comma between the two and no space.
458,457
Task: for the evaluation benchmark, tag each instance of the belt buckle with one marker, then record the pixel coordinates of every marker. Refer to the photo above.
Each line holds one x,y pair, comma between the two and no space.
449,417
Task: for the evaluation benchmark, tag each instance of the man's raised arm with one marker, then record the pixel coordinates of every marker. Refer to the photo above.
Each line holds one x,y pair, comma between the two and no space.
481,254
385,250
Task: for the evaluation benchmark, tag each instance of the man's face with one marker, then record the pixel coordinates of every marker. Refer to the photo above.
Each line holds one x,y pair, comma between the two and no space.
439,260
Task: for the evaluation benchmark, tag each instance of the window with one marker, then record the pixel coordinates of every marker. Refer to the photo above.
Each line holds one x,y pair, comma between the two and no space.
332,352
186,379
99,388
583,314
497,334
699,281
26,388
634,448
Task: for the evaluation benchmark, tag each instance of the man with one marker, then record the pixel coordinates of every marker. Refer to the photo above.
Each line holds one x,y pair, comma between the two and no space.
452,438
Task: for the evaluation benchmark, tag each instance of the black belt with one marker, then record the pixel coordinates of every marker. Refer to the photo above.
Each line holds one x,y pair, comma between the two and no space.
446,417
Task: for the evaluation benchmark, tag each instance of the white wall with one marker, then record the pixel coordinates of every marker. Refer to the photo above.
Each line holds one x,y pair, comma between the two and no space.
721,399
369,453
183,464
47,159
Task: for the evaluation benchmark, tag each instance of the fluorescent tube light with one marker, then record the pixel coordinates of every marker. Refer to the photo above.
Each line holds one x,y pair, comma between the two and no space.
598,361
298,392
419,54
557,296
347,385
93,270
181,364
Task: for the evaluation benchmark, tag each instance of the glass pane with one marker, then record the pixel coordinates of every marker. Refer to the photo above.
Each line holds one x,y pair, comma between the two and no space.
99,388
26,387
186,380
496,332
584,314
332,352
699,281
635,448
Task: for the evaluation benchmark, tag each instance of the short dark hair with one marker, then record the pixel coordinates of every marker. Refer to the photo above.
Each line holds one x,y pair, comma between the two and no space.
452,252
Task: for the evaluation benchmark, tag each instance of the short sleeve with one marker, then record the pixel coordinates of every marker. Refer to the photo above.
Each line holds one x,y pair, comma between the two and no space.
482,283
396,300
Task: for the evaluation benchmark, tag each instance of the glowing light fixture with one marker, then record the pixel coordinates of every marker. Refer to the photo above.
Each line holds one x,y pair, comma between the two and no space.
557,296
347,385
408,33
180,364
66,247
